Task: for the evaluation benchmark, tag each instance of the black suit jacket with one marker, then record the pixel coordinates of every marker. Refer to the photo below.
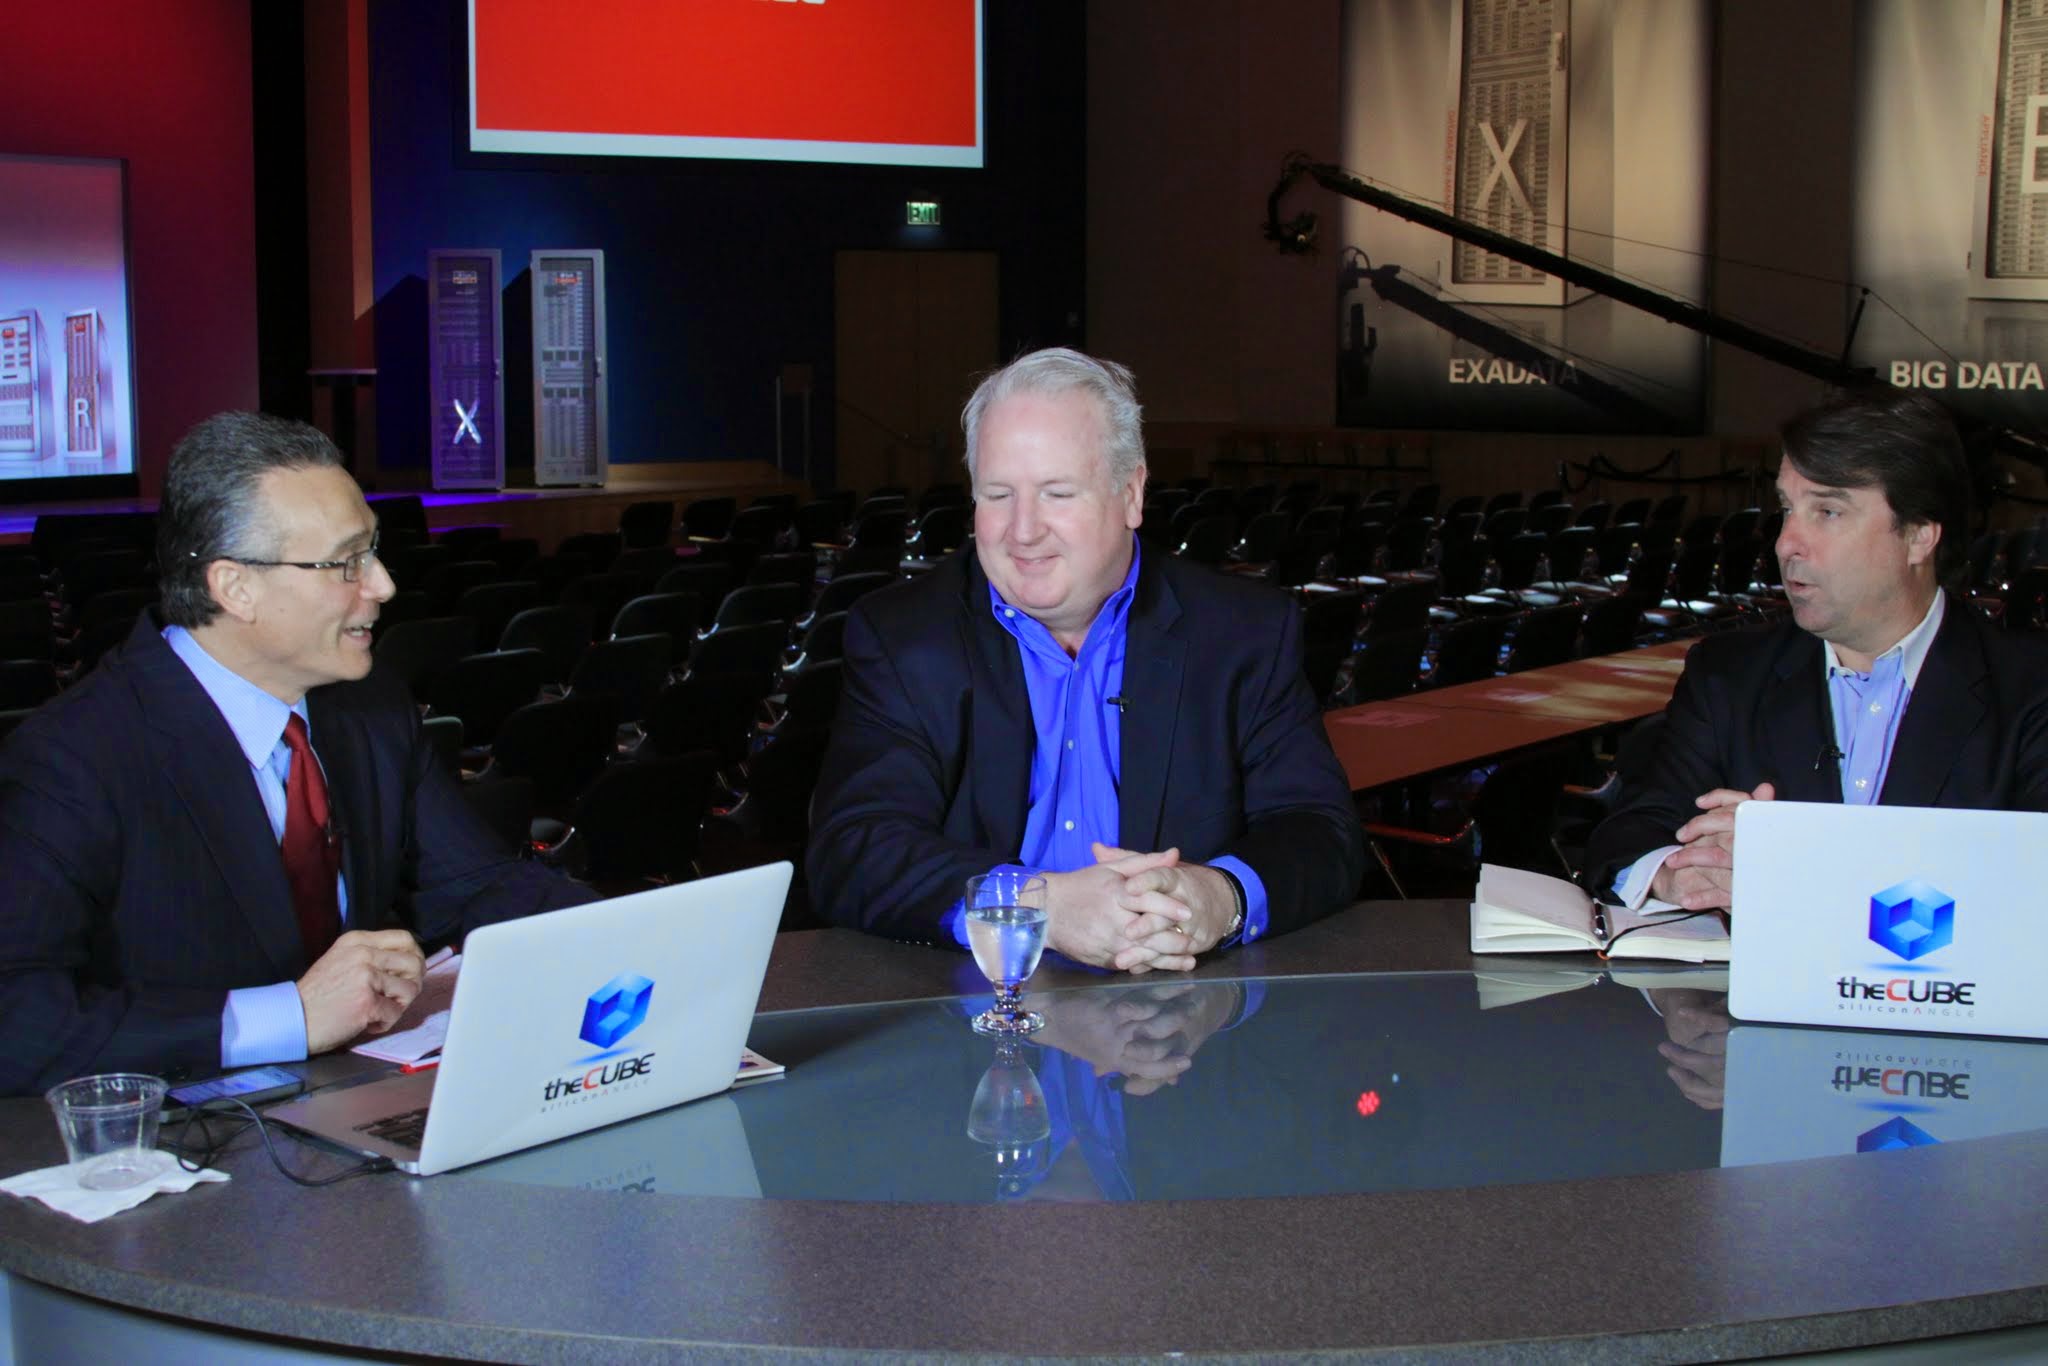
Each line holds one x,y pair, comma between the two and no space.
1752,707
927,779
143,882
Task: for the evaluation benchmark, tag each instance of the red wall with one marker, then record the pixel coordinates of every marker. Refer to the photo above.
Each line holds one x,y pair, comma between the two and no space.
164,83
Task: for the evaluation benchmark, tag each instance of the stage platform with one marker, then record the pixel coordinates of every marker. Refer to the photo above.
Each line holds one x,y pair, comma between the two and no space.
546,515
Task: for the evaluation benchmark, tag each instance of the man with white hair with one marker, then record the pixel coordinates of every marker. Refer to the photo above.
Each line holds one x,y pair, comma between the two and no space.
1135,728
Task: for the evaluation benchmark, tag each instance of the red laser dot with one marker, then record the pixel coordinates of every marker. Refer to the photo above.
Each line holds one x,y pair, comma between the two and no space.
1368,1103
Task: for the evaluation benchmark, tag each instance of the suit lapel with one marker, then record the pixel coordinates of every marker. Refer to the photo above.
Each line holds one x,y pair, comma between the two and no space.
1946,705
1000,747
1155,659
200,757
1798,725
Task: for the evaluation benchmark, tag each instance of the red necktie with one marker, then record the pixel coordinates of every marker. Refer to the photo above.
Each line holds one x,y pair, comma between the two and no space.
311,857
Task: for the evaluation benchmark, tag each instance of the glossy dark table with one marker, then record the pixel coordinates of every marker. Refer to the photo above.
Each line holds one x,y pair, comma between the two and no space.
885,1229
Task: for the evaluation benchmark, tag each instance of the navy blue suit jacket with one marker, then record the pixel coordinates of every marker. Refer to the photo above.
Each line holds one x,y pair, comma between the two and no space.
1752,707
927,781
143,881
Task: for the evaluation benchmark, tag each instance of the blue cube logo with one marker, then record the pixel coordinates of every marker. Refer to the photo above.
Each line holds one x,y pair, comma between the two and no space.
616,1009
1912,919
1894,1133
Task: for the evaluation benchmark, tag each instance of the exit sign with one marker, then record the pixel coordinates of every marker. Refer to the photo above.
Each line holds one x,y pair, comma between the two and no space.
921,213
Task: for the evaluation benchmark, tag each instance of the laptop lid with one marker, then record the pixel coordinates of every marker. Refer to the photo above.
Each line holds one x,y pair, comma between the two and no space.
1795,1093
1889,917
578,1018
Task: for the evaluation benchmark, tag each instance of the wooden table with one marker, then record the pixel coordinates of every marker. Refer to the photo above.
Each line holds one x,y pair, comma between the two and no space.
1406,737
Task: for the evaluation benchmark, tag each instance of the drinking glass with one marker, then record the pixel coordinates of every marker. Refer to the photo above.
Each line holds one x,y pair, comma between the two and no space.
1006,930
109,1123
1009,1118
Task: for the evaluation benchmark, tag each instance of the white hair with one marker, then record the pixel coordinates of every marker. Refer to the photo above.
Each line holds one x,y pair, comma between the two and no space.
1061,369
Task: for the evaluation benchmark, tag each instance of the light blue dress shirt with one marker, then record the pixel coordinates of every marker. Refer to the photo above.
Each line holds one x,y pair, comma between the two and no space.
1077,758
1866,711
268,1023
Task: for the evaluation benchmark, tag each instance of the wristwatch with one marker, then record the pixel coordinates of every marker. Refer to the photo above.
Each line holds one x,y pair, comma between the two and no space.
1230,936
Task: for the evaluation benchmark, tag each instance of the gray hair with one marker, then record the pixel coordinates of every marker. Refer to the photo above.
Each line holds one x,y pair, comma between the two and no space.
1058,370
211,504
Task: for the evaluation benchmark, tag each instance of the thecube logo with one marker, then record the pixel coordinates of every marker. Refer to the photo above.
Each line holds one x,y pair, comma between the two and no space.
616,1009
1912,919
1896,1132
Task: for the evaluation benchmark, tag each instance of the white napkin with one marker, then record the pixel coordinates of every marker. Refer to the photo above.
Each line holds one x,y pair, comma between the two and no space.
58,1188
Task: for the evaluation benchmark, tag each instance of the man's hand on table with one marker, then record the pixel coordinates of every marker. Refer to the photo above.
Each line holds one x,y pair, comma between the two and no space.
1700,875
362,984
1137,912
1698,1024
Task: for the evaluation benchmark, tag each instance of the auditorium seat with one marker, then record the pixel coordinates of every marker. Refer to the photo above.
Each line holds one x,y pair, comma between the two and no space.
628,669
651,522
705,711
561,632
559,745
674,615
491,605
484,689
638,823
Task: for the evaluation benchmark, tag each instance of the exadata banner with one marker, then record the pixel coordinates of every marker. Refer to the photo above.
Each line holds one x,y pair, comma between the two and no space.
891,82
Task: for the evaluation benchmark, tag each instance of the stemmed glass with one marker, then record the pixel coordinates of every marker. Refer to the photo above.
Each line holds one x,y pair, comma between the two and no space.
1006,930
1009,1118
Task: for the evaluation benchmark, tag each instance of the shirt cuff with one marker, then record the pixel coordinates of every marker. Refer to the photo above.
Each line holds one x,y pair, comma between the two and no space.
954,921
1255,911
263,1024
1633,889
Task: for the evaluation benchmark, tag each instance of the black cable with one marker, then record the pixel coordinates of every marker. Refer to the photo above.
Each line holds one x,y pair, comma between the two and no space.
247,1117
1607,950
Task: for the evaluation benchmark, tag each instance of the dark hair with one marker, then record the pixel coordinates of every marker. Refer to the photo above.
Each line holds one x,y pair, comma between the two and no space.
1903,443
210,508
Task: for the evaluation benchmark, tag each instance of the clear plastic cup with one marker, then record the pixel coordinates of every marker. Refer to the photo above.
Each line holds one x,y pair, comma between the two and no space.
109,1125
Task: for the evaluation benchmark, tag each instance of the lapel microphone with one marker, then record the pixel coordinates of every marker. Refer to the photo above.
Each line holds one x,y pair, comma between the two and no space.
1828,751
1121,704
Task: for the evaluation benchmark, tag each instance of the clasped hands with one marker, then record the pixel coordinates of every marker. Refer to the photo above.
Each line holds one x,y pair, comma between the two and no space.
1700,874
1137,912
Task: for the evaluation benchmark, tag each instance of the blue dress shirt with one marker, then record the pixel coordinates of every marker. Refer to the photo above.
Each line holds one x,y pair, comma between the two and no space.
1077,757
268,1023
1866,707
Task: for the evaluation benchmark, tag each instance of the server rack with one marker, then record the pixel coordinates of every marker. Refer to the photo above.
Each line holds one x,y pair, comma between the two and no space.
25,431
466,367
570,401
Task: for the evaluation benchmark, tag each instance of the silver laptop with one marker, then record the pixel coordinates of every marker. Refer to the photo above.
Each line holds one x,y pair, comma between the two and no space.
1794,1093
573,1020
1889,917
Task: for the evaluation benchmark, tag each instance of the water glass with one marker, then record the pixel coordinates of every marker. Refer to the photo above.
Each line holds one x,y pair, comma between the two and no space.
1006,929
109,1124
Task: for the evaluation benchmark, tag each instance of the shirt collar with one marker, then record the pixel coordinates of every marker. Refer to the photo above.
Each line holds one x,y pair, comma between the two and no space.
1114,609
1911,649
256,718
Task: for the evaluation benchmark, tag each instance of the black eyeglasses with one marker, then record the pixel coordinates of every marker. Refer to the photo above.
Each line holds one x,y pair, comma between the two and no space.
351,566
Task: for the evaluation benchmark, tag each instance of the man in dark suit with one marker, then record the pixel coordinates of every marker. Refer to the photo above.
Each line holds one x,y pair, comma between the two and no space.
1135,728
1881,688
224,845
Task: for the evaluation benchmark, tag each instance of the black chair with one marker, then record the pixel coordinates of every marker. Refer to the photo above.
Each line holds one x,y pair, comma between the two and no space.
506,805
1264,535
560,746
416,651
1545,637
599,547
87,576
671,614
772,818
757,603
1596,515
407,604
446,583
799,567
84,650
755,651
760,525
1610,625
824,640
605,594
707,519
1401,607
444,736
843,592
471,542
1208,540
629,669
1384,665
810,699
1407,546
705,711
26,683
942,530
708,581
820,523
1468,651
649,523
484,689
1329,630
638,822
491,605
116,604
650,562
561,633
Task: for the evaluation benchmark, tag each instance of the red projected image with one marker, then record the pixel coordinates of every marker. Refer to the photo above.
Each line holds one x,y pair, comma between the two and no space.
886,81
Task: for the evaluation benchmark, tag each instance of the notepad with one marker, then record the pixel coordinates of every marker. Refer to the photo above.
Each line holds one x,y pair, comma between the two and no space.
1517,911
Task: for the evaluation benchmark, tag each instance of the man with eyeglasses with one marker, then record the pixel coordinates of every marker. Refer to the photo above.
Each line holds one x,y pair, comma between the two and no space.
226,845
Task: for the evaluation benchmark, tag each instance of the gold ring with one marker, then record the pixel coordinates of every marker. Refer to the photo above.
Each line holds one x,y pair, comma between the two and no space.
1183,929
